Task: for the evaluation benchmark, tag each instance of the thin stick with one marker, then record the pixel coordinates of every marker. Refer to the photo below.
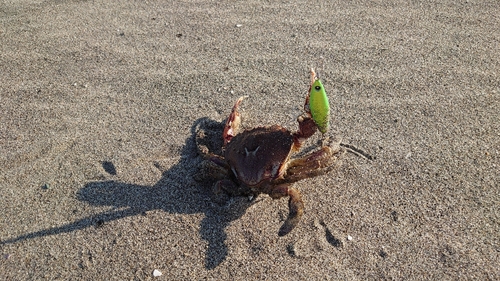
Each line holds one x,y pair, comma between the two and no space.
357,151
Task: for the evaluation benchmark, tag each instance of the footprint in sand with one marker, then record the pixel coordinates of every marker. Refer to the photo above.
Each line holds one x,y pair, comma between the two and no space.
321,239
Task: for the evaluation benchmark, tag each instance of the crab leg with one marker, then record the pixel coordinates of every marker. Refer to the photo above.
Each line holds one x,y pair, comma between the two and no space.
295,206
315,163
233,122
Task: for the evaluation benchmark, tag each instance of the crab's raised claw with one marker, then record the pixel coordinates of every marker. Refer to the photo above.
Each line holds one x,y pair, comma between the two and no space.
295,206
306,103
317,105
233,122
307,128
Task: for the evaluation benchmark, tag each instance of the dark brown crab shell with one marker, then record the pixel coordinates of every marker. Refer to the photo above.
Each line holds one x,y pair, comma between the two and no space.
259,156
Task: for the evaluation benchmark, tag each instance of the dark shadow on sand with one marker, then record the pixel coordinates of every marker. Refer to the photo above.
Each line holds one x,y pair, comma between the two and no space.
175,193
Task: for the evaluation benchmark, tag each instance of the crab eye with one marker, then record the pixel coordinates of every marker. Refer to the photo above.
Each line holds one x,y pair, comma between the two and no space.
317,88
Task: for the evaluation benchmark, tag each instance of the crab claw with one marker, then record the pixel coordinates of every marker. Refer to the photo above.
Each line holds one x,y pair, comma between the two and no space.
314,77
307,128
317,105
233,122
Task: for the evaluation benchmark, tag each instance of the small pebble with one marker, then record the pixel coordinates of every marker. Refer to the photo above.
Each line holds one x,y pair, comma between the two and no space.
239,25
46,186
349,237
156,273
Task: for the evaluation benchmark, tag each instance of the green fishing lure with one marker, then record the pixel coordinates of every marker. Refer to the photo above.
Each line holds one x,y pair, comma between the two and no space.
319,106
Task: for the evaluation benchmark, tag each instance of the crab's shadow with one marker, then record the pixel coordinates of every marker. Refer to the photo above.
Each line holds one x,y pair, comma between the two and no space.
176,192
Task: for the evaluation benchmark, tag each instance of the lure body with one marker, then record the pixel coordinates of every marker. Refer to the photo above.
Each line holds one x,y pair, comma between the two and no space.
319,105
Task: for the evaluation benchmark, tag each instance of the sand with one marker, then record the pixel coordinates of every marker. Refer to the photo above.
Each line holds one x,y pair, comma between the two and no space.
100,103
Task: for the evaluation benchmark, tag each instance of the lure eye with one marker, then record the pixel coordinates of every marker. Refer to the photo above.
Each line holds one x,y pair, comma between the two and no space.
317,88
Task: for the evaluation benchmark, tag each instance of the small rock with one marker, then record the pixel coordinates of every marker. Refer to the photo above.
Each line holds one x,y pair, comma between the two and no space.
349,237
109,167
156,273
383,254
239,25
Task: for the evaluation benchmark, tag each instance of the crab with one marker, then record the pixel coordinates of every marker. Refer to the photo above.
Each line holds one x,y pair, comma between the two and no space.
259,160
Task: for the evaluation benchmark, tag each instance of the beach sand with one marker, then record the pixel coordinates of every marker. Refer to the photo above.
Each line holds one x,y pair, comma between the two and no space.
100,103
